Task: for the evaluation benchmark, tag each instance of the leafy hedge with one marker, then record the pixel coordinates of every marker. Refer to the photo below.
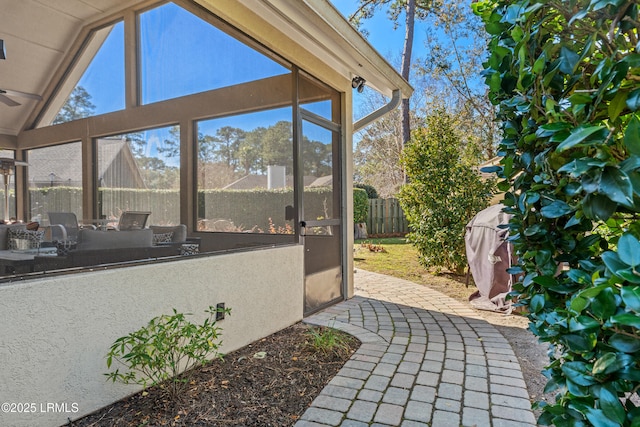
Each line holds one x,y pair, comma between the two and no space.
247,209
566,78
372,193
360,205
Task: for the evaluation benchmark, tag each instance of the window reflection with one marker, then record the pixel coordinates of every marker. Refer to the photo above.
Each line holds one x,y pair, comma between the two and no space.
245,173
55,180
140,171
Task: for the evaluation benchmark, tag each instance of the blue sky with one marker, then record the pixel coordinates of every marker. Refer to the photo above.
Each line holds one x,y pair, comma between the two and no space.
169,75
382,36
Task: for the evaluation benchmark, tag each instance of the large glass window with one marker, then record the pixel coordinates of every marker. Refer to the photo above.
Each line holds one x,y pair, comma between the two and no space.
140,171
183,54
237,99
245,173
55,180
95,85
318,169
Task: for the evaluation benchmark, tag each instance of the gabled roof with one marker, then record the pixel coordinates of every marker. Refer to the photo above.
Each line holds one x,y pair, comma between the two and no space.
65,163
250,182
39,36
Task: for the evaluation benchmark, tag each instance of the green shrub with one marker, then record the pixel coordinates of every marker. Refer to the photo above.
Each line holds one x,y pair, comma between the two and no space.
372,193
360,205
442,195
566,77
168,345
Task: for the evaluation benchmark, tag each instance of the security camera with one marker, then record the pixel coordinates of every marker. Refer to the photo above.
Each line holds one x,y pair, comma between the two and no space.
358,83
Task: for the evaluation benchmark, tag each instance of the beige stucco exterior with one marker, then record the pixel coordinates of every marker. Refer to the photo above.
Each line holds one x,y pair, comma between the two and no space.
56,331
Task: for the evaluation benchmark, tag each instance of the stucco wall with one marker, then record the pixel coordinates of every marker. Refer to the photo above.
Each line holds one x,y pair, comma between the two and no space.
56,331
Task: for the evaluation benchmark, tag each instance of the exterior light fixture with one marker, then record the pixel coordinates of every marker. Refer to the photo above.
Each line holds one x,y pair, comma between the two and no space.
358,83
3,54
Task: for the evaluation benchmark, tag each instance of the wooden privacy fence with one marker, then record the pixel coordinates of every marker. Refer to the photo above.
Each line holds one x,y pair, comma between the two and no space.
386,217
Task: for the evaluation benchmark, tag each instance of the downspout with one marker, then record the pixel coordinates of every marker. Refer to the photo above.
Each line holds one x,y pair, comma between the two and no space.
392,105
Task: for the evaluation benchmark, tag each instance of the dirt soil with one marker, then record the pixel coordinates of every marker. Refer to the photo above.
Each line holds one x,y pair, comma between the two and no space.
241,390
274,391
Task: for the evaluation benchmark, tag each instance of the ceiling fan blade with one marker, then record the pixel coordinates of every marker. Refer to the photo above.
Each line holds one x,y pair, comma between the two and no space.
10,92
8,162
8,101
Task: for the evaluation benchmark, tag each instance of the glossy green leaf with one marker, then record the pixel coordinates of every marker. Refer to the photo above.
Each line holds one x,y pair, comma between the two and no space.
568,60
611,406
577,136
617,105
579,166
535,229
632,136
631,297
592,292
556,209
604,304
579,373
603,363
546,281
579,343
633,100
582,323
574,220
578,304
630,164
599,207
613,262
597,418
624,343
629,250
549,129
615,184
626,319
537,303
538,66
579,276
630,275
513,13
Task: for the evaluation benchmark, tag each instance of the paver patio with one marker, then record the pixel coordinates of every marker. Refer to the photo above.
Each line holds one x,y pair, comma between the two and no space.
425,360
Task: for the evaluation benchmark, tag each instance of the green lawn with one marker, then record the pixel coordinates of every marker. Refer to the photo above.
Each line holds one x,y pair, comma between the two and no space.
400,259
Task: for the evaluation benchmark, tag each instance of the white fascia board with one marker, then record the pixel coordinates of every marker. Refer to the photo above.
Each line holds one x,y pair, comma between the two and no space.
322,30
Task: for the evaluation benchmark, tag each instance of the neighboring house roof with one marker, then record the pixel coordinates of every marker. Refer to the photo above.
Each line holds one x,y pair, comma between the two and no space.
251,182
323,181
116,165
63,161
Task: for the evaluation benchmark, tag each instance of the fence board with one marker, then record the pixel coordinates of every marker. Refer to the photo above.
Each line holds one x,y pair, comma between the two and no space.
386,217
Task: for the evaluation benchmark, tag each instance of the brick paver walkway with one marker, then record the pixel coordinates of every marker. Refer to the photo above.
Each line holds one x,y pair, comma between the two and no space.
425,360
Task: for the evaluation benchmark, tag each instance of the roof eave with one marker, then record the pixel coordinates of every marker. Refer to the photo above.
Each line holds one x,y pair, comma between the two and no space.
321,29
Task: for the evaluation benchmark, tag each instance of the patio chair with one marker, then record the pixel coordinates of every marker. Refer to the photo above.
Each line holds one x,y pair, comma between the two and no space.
133,220
64,226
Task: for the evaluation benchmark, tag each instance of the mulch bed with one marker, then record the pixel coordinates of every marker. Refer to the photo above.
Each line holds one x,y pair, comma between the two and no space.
241,390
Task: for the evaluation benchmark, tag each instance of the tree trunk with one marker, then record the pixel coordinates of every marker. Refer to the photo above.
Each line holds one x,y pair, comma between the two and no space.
406,69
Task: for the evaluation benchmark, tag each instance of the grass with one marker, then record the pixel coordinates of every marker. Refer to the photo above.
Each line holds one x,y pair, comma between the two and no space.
328,340
400,259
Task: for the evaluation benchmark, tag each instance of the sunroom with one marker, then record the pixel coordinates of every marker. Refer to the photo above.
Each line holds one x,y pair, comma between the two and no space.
229,118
